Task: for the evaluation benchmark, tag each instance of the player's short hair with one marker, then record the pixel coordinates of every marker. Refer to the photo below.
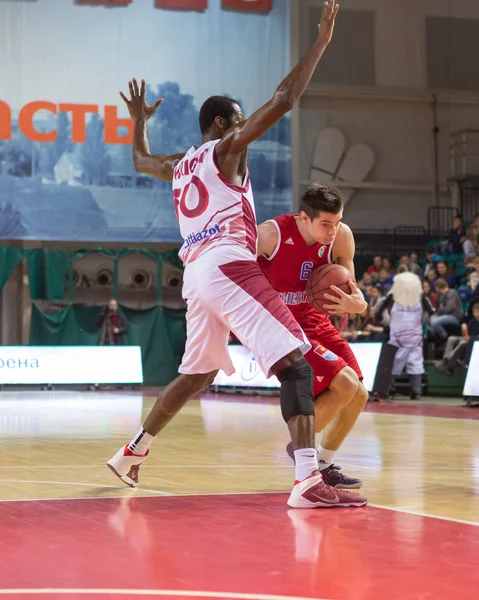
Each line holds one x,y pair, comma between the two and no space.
321,198
216,106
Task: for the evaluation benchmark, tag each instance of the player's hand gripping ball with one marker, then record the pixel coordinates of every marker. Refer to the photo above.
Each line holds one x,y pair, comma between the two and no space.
318,287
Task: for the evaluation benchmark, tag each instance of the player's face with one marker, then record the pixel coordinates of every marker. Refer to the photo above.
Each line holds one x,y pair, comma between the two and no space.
237,117
324,227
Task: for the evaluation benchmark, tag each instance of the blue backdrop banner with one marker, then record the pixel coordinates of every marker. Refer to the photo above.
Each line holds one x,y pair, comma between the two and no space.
66,171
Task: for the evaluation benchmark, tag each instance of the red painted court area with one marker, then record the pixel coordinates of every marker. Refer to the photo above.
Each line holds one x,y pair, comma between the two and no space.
232,546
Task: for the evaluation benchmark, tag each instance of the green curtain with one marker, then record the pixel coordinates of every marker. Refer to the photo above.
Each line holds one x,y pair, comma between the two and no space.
10,258
159,331
47,273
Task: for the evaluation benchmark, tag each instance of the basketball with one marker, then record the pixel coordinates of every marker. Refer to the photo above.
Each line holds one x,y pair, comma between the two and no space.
322,279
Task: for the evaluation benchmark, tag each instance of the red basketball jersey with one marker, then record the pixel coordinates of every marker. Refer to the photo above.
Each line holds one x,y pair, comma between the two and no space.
290,265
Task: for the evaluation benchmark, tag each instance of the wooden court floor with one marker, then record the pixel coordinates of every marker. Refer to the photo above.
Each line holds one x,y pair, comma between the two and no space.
210,517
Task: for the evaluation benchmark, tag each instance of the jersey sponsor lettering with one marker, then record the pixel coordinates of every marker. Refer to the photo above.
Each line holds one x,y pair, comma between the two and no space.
211,210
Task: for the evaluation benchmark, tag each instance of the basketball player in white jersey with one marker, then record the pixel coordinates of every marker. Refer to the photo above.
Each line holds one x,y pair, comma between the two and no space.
224,287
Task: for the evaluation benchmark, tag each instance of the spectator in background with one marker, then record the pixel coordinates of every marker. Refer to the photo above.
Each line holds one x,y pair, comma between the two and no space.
475,227
387,264
429,261
473,278
456,238
402,268
367,292
431,277
350,327
377,264
414,265
459,349
469,245
466,292
449,310
385,280
373,325
367,279
428,293
112,325
444,272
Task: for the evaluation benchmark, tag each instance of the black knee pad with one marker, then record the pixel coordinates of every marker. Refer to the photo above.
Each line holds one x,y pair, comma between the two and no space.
296,390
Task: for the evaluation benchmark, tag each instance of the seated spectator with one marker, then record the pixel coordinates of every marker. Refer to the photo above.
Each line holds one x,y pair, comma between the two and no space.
385,280
473,279
475,227
430,295
373,325
367,279
456,237
414,265
377,264
431,277
403,268
469,246
466,292
429,261
387,264
444,272
459,349
350,326
367,292
449,310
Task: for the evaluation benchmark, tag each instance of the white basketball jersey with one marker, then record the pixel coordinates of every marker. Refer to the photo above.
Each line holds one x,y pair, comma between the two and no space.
211,210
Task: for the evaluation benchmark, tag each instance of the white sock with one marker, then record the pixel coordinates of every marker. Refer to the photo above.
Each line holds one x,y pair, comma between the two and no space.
140,443
325,457
306,462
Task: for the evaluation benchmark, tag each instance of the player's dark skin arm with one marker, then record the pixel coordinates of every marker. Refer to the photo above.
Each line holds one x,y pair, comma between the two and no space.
157,165
231,151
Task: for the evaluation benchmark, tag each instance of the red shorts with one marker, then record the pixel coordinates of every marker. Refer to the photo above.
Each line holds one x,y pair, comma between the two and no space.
330,353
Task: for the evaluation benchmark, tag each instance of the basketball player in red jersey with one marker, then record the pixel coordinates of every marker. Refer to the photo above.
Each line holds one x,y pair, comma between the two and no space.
290,247
224,287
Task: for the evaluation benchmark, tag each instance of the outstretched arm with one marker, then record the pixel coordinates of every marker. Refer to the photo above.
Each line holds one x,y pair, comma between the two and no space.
158,165
286,95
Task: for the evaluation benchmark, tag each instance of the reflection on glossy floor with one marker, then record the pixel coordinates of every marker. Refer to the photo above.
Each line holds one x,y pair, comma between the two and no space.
54,445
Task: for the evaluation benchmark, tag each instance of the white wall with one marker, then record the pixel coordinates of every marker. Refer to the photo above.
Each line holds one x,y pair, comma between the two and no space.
395,117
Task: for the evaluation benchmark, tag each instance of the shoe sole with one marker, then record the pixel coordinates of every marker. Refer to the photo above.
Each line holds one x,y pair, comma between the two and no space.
327,505
112,468
344,486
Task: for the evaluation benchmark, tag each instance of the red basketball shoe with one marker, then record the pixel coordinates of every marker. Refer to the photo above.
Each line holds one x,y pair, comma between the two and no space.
312,492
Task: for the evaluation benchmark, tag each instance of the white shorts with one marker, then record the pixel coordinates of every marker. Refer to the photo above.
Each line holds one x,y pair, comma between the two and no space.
235,297
410,358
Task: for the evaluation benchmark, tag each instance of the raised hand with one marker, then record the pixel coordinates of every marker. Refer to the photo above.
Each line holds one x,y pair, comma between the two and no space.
326,27
137,106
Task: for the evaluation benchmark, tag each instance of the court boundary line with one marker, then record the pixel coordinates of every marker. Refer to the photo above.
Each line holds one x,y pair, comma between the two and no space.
173,495
94,485
147,592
